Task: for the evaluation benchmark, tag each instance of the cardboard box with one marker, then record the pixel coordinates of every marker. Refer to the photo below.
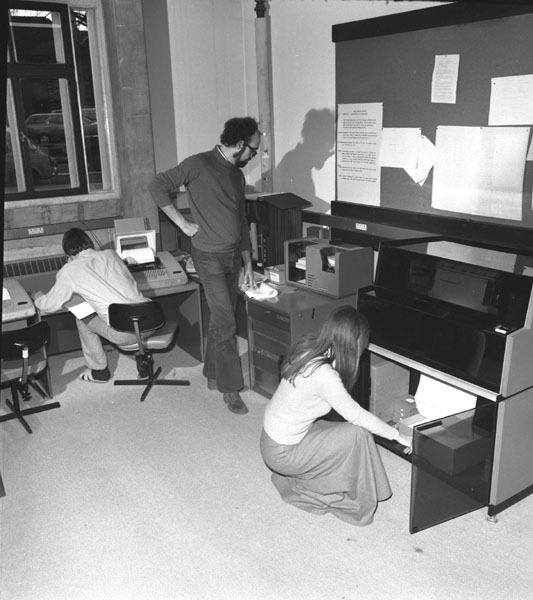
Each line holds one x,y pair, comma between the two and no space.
276,274
388,381
453,448
404,406
405,426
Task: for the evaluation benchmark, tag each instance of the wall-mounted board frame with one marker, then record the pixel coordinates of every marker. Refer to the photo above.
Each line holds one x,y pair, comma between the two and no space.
391,60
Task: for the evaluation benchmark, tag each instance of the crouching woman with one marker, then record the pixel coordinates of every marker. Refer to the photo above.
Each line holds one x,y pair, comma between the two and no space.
324,466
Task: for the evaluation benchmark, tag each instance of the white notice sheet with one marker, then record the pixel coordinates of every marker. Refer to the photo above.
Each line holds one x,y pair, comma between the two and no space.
511,100
358,145
399,147
444,81
425,161
480,170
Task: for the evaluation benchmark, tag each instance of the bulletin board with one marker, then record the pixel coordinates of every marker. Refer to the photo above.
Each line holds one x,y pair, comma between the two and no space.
391,60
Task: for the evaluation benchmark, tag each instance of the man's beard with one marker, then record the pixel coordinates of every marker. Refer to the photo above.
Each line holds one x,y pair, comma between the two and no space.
237,156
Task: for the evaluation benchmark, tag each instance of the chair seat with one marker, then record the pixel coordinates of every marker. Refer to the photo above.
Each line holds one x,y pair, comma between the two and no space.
17,344
11,366
158,341
142,318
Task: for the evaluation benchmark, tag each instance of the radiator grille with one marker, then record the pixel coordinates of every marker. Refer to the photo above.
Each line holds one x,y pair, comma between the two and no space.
50,264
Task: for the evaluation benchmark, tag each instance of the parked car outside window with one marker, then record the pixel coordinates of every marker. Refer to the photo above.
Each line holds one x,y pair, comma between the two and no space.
48,128
43,166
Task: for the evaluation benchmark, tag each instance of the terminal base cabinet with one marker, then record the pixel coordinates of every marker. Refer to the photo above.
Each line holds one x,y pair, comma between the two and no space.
462,462
273,326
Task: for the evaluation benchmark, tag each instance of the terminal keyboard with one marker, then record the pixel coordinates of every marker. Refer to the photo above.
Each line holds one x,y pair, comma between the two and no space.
164,272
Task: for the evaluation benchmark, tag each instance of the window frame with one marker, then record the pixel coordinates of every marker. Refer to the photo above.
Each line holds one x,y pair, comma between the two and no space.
100,72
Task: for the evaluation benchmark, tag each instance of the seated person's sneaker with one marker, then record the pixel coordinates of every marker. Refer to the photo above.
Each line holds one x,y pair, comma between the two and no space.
96,375
235,403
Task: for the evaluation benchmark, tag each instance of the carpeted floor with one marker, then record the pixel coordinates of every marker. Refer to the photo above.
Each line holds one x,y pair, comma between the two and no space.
113,499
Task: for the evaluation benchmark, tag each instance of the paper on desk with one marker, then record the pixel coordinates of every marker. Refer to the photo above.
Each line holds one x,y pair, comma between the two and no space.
261,292
79,307
138,256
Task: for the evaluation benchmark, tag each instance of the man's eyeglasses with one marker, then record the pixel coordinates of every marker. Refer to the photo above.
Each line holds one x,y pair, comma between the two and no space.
253,150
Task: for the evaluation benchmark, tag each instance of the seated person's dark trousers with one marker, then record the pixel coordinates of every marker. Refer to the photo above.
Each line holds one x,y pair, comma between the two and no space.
219,274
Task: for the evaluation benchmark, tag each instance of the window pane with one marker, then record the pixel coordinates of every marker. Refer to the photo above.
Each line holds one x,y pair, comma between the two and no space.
37,36
23,159
13,181
49,126
91,131
57,113
42,167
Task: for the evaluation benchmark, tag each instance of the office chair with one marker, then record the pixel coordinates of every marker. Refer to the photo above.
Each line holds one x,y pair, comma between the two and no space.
23,361
141,318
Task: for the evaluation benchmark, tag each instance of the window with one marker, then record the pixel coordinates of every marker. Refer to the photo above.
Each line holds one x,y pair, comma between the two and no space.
58,139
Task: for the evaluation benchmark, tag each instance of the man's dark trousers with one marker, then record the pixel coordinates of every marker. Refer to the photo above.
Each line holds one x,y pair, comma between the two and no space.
219,274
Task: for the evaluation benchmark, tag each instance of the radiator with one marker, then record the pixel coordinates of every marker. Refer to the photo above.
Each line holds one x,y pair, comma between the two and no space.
35,275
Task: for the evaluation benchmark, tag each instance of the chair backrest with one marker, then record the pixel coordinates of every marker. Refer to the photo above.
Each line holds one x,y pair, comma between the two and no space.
149,315
33,337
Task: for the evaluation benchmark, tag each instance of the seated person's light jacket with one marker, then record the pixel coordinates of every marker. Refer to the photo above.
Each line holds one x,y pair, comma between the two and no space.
100,277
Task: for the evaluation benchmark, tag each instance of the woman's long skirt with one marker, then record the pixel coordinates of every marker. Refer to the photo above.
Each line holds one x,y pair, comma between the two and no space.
336,468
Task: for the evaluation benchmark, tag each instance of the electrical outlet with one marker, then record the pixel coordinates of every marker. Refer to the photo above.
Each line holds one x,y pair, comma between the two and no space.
36,231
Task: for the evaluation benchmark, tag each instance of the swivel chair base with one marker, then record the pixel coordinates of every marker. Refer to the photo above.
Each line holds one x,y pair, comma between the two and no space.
18,413
150,381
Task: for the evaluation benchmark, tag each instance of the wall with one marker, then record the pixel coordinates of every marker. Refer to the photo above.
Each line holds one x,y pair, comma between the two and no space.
303,65
157,39
131,105
213,78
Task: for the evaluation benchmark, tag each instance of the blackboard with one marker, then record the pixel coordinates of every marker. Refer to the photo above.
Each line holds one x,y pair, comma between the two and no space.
390,60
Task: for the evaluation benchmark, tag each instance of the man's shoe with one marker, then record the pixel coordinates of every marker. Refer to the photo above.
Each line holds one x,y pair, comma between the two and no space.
235,403
211,383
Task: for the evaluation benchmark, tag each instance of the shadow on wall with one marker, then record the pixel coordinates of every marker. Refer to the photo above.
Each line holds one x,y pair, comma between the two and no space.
294,171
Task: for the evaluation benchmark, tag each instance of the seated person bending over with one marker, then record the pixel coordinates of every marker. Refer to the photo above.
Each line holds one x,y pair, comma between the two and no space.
323,466
100,278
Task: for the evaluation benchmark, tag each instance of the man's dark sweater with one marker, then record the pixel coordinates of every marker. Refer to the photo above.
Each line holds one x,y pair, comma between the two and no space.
215,188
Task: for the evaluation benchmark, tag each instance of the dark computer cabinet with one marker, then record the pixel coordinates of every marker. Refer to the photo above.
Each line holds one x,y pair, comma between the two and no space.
273,326
273,218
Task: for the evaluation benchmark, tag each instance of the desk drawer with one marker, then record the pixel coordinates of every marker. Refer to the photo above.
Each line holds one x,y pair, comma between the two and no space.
265,383
281,336
270,345
269,316
266,361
